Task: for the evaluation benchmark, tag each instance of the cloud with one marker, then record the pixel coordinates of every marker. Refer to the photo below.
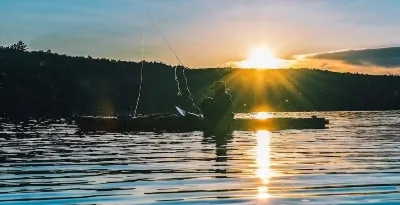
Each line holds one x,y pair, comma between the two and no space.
388,57
384,60
377,61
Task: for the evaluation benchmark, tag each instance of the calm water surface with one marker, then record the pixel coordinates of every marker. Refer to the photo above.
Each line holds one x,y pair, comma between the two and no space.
355,161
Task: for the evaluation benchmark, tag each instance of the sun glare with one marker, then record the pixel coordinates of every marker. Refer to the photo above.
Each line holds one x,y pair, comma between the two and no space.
261,58
263,115
263,171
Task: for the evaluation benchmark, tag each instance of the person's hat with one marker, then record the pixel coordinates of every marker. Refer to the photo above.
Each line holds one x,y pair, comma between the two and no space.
219,85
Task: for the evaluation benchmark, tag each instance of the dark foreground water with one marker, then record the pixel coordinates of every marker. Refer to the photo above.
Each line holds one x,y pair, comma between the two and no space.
355,161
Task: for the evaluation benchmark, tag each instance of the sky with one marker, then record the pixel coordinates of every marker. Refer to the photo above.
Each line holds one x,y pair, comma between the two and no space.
340,35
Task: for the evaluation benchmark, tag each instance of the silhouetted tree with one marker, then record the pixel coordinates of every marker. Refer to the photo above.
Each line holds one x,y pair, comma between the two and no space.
20,46
45,84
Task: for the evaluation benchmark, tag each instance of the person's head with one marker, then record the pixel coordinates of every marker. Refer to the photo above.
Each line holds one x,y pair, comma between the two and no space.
219,87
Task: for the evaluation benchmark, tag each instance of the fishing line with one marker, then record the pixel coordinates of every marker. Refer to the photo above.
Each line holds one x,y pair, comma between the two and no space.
141,75
180,62
177,81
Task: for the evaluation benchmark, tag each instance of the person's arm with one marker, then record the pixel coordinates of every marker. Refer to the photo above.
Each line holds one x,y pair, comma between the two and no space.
205,103
229,101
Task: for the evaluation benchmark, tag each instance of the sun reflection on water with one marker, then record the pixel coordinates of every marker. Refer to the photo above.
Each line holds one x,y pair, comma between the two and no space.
263,162
263,192
263,115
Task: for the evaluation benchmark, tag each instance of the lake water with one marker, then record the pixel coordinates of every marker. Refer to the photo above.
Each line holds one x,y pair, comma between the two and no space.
355,161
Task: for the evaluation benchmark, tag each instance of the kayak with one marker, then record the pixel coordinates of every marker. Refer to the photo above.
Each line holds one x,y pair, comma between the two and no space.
179,123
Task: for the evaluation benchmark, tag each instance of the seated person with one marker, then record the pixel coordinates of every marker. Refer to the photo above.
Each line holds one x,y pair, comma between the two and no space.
217,111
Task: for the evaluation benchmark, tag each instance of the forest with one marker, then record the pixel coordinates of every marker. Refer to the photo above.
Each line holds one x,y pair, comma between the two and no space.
47,84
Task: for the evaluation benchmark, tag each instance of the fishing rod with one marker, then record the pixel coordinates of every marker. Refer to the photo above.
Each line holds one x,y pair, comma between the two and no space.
170,47
180,62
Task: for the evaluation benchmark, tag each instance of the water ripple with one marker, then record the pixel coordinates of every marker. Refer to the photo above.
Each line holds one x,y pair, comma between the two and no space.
355,161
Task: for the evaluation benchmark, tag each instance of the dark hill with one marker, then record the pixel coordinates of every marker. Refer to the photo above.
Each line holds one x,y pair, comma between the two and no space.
47,84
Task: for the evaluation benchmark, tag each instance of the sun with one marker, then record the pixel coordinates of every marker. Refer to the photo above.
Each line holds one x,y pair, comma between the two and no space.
261,58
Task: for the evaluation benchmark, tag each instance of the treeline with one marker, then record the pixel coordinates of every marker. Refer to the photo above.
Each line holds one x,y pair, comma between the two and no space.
47,84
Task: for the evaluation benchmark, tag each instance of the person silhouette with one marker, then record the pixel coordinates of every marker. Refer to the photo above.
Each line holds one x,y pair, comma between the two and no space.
217,111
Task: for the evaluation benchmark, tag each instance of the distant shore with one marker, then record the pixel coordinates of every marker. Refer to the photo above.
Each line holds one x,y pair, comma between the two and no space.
46,84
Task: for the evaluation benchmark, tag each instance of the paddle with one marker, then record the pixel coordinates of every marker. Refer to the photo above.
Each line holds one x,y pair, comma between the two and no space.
185,113
182,112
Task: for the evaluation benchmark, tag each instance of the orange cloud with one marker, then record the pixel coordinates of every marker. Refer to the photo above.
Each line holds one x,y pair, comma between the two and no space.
376,61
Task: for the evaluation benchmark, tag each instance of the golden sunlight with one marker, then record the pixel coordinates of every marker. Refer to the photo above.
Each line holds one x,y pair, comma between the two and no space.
263,192
261,58
263,115
263,155
263,162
